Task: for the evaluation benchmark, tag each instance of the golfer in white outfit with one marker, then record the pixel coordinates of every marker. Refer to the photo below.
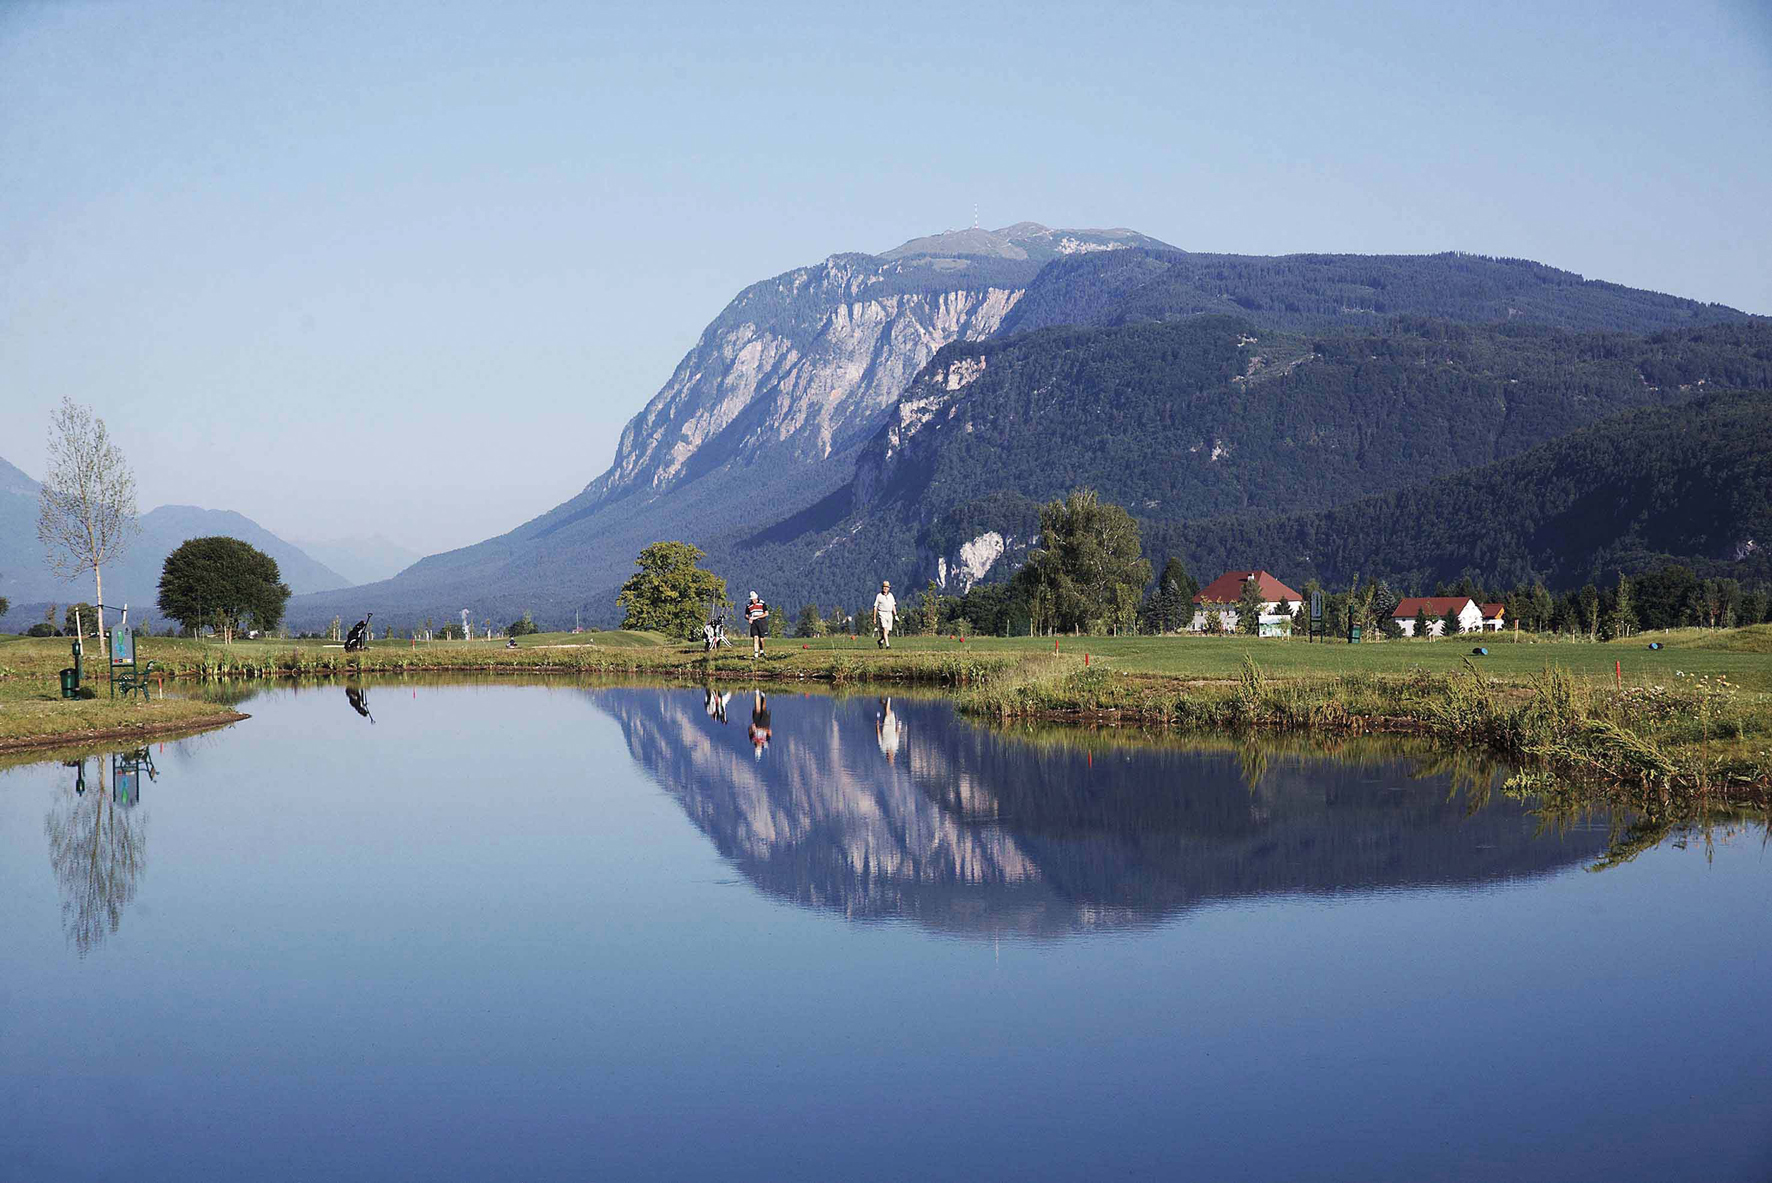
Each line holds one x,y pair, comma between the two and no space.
885,608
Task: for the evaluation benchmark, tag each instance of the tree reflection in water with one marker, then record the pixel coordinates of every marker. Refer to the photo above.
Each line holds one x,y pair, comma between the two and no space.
98,846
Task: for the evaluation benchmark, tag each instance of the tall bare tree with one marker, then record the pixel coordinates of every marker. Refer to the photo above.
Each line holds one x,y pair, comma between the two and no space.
98,849
86,510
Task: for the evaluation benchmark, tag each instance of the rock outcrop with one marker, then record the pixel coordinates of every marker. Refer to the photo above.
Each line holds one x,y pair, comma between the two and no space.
801,366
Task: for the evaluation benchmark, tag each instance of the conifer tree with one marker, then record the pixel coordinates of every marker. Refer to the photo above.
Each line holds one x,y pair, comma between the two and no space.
1249,604
1624,612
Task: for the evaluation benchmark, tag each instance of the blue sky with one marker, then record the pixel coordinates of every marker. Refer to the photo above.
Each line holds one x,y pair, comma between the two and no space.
353,267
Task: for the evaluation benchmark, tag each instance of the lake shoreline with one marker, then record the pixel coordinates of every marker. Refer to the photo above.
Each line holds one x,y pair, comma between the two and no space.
84,737
1691,734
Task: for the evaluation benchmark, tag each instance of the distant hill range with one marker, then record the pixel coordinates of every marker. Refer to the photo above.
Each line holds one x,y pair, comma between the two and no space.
26,581
881,414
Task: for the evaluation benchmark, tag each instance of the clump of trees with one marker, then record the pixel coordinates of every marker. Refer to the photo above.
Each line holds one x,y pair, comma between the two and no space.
223,583
80,620
1089,571
670,593
1170,605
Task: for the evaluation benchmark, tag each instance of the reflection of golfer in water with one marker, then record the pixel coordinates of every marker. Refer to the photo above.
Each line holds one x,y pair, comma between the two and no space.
888,731
714,703
359,700
760,724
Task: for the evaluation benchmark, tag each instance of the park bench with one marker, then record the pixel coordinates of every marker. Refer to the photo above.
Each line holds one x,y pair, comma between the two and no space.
127,680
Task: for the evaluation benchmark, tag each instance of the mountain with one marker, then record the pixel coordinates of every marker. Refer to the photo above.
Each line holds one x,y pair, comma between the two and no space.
755,438
18,528
1213,417
361,560
134,579
798,367
761,417
1690,483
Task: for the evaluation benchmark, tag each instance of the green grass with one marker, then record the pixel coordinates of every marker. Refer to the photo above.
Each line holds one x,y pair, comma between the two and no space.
33,713
1753,639
1743,655
611,639
589,653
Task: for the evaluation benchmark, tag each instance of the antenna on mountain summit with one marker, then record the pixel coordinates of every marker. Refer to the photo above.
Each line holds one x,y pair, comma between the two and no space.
975,215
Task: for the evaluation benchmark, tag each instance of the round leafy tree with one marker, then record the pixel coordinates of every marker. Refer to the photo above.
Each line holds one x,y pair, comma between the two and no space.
223,582
669,594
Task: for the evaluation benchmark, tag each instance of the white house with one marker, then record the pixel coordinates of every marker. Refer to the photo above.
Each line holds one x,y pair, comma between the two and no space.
1470,615
1224,593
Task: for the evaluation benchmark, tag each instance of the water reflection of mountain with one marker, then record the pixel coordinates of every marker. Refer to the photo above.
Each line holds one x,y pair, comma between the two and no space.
970,831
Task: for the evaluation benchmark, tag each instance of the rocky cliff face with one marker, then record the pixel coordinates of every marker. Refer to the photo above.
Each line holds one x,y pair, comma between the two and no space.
802,385
804,364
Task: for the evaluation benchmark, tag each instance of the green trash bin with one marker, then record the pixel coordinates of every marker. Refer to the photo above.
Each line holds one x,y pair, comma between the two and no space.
68,682
1353,635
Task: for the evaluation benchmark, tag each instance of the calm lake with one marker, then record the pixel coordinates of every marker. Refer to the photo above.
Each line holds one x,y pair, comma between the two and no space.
502,931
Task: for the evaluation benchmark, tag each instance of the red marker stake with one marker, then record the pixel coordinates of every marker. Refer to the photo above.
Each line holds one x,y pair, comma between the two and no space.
1618,671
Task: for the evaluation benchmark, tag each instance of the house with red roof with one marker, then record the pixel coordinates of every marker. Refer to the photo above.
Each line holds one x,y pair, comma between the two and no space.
1492,614
1470,616
1224,593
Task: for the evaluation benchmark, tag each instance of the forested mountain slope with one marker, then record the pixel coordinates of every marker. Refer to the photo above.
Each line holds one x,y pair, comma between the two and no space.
1318,293
1690,483
1212,417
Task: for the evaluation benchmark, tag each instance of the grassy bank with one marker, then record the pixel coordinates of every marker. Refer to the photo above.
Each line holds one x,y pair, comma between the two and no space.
34,716
1699,735
1742,655
592,653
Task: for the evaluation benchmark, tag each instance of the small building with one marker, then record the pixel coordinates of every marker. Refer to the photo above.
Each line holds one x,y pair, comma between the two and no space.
1492,614
1470,616
1223,594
